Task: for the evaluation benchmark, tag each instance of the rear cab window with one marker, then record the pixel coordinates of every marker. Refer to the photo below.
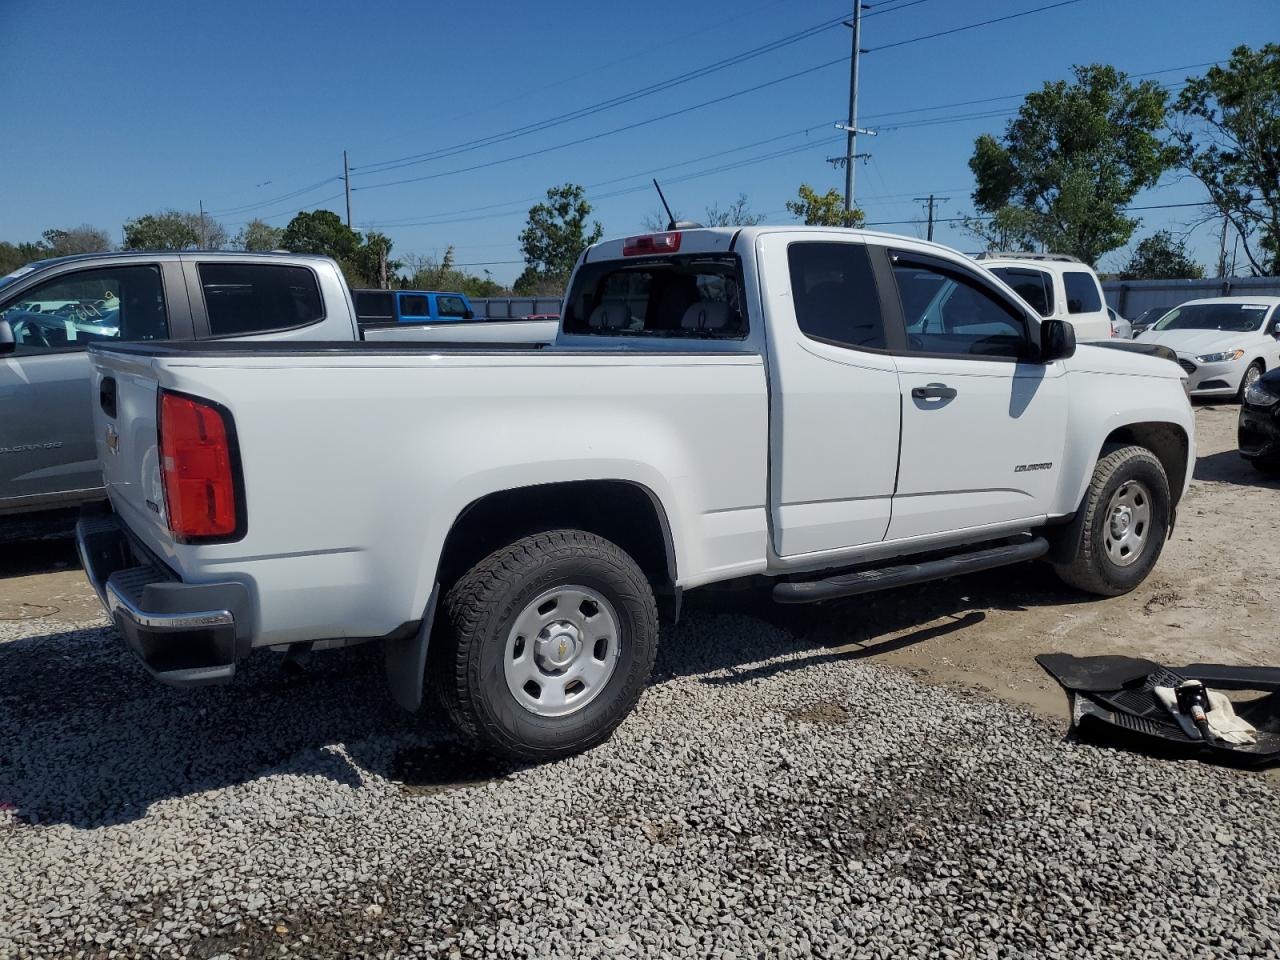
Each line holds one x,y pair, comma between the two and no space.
1083,295
250,298
695,296
834,292
374,306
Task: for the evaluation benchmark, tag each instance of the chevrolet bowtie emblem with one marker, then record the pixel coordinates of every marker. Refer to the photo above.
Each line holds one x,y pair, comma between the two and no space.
113,439
564,648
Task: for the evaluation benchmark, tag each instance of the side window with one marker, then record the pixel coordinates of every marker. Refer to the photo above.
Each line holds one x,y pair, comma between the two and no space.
249,298
834,292
415,305
1083,295
949,313
374,306
1033,286
71,311
451,306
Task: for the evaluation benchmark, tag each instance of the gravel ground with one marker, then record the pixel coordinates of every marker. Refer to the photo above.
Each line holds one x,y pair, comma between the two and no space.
768,799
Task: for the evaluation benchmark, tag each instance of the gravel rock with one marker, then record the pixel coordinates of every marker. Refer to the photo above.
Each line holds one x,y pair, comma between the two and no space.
766,800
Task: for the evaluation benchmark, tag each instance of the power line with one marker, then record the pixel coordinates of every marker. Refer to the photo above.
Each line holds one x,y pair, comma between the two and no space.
630,176
606,133
619,100
971,26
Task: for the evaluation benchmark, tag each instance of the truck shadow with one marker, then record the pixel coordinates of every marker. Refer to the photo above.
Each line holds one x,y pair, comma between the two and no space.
88,739
857,628
1228,466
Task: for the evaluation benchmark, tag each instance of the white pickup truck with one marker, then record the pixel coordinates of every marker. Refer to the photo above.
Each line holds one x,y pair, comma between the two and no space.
837,411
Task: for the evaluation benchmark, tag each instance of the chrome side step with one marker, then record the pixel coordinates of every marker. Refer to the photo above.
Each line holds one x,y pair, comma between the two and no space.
884,578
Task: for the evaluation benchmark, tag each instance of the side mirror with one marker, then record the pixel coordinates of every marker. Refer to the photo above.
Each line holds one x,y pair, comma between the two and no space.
1275,331
471,315
8,342
1057,340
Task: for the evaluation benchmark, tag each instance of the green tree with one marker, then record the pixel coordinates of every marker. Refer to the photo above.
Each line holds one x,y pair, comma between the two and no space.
1229,138
1072,160
322,232
824,210
428,273
174,230
258,236
737,214
1161,256
373,259
81,239
554,238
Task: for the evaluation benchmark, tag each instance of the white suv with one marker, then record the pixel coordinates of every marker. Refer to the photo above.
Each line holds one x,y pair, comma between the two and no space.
1057,286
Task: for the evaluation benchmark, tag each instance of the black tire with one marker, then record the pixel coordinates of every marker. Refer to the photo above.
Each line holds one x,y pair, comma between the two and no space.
467,666
1093,569
1269,468
1254,371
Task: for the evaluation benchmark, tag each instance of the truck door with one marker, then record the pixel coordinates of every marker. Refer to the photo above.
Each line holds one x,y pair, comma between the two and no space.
47,449
983,422
834,395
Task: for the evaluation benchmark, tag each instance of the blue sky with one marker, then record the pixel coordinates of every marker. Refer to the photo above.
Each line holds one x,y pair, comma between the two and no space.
119,109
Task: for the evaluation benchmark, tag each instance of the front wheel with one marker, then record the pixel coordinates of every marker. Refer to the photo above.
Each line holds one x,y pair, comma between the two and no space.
1248,380
1127,508
551,641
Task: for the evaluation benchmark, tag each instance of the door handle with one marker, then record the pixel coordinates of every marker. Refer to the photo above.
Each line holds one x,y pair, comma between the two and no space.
934,391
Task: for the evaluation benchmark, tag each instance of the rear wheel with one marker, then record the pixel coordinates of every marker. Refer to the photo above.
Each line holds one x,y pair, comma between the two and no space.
1127,508
1249,379
551,641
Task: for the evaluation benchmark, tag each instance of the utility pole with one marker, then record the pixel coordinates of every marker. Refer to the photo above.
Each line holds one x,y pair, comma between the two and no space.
346,180
931,200
203,233
851,131
382,265
1222,249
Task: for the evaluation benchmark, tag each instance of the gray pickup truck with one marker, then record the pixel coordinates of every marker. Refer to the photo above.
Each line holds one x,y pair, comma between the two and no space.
51,310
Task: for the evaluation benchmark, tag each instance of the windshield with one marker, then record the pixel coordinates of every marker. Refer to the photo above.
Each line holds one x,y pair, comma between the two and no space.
1230,317
1151,316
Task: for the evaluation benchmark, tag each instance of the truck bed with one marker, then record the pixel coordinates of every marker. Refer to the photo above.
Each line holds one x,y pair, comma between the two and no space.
358,458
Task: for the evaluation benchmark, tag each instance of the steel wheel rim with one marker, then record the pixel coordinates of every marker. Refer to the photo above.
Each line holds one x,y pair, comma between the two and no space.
1128,523
562,650
1251,376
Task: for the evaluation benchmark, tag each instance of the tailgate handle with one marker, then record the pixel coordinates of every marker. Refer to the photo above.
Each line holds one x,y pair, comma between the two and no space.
107,396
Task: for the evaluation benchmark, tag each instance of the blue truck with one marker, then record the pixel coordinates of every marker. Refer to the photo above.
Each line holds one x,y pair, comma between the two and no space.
411,306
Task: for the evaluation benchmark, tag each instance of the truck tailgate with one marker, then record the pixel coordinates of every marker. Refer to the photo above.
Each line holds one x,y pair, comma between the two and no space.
124,396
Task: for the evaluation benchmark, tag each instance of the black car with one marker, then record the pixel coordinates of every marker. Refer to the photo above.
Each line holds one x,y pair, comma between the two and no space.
1259,431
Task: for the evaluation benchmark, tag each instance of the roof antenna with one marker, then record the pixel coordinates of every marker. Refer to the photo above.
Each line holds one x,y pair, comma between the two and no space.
671,220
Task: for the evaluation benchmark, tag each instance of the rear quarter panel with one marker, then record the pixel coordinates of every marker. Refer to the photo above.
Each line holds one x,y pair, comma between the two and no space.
356,468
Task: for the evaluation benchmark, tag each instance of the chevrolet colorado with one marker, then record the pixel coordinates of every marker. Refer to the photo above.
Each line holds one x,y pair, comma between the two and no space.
836,411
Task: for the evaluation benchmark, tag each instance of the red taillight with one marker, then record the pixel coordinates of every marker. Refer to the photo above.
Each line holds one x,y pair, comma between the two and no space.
651,243
197,464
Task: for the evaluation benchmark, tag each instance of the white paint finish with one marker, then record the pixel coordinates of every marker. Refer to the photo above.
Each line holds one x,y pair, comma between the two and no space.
959,459
357,464
833,420
469,331
1093,325
383,466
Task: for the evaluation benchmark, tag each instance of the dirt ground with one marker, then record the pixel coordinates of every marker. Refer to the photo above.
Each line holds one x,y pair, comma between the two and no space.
1214,597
